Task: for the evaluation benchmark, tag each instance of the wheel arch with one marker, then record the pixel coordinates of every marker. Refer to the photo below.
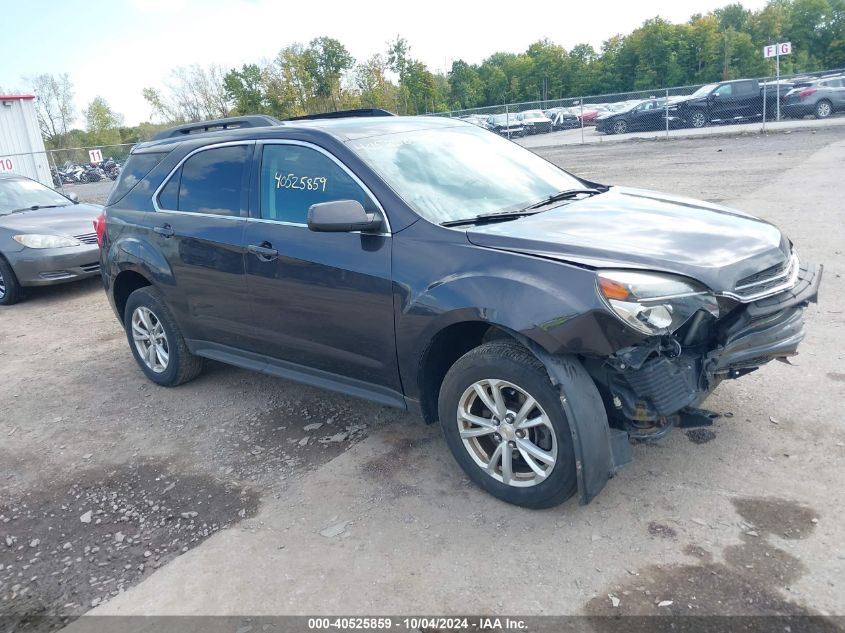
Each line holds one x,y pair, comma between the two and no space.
446,346
125,283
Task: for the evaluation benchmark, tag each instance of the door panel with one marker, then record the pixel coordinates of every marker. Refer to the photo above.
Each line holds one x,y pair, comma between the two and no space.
199,226
325,300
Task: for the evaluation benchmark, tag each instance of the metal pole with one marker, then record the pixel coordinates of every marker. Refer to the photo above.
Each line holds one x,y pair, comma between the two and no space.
581,105
61,182
507,122
777,83
765,104
667,112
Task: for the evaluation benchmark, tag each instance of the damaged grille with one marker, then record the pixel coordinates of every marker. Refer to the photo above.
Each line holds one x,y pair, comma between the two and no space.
767,282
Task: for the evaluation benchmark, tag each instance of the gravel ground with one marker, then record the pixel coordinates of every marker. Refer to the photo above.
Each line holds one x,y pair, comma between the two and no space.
106,477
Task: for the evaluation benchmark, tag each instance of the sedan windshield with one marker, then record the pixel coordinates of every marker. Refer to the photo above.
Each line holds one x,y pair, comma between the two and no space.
17,194
453,173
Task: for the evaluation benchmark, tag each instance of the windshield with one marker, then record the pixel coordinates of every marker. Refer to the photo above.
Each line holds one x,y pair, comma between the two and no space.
503,118
22,193
704,90
459,172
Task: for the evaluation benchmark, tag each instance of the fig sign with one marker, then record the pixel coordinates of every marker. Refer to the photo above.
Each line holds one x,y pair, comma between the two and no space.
776,50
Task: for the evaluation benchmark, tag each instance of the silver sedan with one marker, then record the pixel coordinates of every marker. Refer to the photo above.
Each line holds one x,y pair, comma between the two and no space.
45,237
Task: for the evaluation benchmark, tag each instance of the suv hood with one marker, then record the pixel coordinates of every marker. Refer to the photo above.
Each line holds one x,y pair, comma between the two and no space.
636,228
73,219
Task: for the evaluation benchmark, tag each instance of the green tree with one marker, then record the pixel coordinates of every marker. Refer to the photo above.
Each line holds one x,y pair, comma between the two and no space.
102,123
326,60
466,87
245,88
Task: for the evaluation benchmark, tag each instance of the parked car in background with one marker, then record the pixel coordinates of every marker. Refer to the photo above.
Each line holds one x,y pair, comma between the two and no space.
45,237
588,113
727,101
543,319
563,118
535,122
506,125
819,97
649,114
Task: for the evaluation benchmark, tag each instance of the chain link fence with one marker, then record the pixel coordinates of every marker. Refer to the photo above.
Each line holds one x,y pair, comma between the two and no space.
758,101
75,166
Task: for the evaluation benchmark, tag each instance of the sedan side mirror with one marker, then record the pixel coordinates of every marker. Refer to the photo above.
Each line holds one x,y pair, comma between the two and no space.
342,216
73,197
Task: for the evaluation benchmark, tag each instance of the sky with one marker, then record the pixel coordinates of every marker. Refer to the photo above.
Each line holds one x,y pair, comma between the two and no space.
114,49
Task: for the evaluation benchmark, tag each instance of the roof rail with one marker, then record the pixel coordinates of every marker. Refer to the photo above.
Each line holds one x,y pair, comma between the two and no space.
342,114
217,125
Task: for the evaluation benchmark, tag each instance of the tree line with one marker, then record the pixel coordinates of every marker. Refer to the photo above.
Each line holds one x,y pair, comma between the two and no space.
323,76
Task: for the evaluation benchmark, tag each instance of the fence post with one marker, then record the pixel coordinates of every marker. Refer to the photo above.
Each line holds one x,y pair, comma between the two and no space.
667,112
56,167
581,105
765,105
507,121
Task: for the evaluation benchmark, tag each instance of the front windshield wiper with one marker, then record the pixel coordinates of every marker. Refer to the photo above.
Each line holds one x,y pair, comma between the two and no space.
35,207
529,210
489,217
562,195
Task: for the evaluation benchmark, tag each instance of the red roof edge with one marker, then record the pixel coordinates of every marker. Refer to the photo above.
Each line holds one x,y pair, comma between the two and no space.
16,97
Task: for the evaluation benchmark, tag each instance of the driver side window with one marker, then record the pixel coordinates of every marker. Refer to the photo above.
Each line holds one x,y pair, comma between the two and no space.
724,91
294,177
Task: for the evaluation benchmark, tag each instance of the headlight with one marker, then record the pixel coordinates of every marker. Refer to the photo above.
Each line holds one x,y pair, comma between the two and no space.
654,303
46,241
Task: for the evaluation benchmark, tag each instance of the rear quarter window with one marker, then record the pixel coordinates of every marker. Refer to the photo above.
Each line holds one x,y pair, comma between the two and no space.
133,172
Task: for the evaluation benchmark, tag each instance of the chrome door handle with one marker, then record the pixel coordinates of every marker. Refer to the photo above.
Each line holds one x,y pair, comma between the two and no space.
264,251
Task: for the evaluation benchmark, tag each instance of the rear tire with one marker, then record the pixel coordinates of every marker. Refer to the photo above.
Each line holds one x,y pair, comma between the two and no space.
152,331
528,446
823,109
10,289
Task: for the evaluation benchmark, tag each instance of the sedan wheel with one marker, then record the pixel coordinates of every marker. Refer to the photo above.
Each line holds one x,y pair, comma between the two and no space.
507,433
620,127
9,287
150,339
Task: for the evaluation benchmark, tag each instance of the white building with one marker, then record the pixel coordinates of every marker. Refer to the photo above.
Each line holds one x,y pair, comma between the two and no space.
21,146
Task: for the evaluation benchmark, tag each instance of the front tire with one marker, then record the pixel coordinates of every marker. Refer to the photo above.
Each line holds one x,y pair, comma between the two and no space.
156,342
503,421
698,119
10,289
620,126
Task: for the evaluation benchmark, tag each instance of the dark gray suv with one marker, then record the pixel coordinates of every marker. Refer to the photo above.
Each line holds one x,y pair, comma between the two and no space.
426,264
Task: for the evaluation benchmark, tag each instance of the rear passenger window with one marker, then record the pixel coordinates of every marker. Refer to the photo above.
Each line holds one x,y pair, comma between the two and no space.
210,181
294,177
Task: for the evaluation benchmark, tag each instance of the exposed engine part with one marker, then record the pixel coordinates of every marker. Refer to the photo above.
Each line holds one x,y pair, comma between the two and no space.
650,431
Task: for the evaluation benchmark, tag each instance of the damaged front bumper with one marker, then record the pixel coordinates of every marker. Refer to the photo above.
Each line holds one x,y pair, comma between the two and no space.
647,387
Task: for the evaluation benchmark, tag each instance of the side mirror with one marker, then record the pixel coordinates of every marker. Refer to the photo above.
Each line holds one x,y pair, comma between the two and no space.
342,216
73,197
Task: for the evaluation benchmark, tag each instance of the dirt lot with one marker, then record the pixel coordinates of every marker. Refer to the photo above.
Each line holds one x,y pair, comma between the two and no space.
243,494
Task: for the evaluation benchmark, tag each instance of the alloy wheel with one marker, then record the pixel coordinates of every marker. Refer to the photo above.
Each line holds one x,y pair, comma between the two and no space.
698,119
150,339
620,127
823,110
2,285
507,433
